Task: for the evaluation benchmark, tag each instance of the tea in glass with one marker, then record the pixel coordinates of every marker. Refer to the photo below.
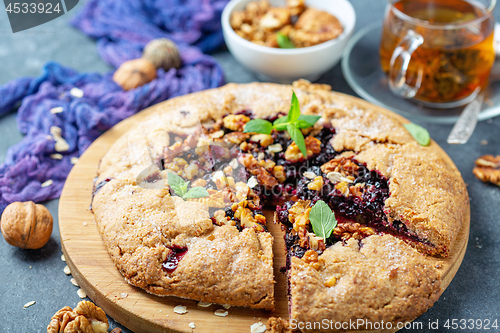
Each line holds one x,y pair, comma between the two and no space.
439,52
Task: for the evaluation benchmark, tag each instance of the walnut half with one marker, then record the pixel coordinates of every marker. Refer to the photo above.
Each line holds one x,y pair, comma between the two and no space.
85,318
487,169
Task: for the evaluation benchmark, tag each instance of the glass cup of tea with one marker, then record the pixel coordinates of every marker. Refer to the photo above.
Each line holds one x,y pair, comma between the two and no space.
438,52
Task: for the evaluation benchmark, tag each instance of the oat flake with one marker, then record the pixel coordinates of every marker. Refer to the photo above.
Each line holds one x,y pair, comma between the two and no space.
226,306
74,160
258,328
56,156
76,92
74,282
61,145
81,293
275,148
309,174
192,325
47,183
63,258
67,270
180,309
123,295
27,305
204,304
221,313
234,163
252,182
58,109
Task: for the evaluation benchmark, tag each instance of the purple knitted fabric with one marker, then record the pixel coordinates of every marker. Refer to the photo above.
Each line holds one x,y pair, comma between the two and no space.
121,28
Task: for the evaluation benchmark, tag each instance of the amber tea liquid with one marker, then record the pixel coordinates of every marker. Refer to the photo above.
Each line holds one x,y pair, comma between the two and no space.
455,58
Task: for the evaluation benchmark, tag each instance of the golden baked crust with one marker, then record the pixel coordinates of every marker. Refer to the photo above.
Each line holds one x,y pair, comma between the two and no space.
426,194
384,279
138,225
222,264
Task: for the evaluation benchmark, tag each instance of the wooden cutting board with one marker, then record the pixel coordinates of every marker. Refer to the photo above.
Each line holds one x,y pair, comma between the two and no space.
95,272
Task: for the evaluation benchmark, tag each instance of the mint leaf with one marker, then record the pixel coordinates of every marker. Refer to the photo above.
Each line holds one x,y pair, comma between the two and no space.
280,123
258,126
311,119
281,120
180,186
294,112
297,137
196,192
283,41
420,134
177,183
302,124
184,187
322,219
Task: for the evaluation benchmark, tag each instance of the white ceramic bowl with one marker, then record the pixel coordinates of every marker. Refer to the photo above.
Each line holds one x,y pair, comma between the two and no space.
286,65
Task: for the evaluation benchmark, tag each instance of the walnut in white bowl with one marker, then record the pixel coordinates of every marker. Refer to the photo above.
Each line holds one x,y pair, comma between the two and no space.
252,30
294,25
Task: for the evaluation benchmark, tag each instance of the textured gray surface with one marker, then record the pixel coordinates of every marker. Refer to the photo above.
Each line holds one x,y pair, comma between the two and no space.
38,275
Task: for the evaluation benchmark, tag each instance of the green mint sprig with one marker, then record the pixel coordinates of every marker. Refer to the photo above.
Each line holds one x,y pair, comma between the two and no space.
283,41
322,219
292,123
420,134
180,187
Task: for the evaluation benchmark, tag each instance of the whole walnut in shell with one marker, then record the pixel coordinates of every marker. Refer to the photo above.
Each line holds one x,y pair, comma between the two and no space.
86,318
162,53
134,73
26,225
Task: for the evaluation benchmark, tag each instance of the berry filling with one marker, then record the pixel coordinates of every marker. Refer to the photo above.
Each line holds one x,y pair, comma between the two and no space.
174,256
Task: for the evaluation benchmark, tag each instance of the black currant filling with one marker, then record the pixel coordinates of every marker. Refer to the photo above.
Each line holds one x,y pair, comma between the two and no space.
174,256
97,188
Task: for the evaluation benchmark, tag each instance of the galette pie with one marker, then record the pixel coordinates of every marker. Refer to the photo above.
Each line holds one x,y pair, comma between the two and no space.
179,203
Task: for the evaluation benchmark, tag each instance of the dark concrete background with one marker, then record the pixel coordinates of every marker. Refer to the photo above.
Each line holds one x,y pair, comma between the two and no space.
38,275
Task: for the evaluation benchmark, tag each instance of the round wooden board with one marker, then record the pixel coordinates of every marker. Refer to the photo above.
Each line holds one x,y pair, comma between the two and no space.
95,272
